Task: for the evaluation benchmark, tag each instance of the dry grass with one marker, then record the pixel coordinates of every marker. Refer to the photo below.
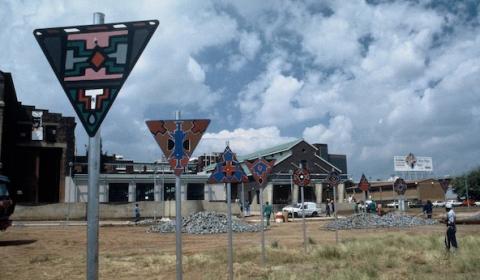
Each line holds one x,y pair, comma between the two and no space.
393,256
131,253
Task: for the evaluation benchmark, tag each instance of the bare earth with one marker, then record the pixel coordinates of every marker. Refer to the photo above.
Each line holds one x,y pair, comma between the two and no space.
129,252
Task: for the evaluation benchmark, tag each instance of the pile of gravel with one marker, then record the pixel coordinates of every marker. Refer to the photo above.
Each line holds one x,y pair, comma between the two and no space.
390,220
205,223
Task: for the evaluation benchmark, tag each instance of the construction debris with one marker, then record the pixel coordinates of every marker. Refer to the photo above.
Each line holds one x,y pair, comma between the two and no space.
390,220
205,223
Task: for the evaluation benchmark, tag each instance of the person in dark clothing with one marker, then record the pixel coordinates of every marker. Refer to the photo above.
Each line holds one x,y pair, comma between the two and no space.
136,212
332,206
428,208
450,239
327,209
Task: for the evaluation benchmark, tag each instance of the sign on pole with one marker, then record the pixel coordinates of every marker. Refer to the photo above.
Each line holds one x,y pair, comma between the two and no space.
364,185
333,178
177,140
92,62
260,169
228,171
301,178
400,186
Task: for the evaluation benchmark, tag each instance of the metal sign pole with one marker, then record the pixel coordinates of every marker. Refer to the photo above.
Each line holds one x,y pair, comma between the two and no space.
291,191
230,237
262,228
178,219
92,206
243,201
303,220
335,212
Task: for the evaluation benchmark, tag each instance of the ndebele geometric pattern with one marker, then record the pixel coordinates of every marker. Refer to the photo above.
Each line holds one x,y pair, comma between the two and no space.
93,61
364,185
301,177
178,139
333,178
260,169
228,170
400,186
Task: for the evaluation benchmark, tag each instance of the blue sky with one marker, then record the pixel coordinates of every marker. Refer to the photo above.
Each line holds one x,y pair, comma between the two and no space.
372,79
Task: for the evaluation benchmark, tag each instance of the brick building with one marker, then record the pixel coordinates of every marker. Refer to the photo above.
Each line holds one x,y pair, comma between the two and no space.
36,147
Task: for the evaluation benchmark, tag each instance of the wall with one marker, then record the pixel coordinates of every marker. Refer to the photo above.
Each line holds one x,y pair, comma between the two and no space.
77,211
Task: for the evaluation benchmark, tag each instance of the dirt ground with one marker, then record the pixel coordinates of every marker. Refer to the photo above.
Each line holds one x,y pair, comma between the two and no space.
59,252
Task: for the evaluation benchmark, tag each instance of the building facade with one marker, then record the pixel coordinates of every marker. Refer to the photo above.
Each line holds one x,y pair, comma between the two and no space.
36,147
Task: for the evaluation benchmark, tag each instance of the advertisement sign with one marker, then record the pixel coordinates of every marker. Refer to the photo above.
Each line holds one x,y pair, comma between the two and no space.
413,163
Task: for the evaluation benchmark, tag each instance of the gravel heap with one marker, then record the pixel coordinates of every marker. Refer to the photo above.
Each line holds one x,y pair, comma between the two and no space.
205,223
364,220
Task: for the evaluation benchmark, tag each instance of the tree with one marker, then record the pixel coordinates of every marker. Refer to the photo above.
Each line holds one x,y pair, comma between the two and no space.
473,181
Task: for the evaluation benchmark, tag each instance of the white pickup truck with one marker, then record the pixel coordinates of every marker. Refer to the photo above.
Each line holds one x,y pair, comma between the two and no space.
311,209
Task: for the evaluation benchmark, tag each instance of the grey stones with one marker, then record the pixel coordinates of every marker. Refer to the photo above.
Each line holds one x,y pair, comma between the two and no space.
205,223
390,220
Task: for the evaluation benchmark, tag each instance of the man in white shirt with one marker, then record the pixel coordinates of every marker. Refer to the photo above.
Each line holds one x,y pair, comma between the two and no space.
451,239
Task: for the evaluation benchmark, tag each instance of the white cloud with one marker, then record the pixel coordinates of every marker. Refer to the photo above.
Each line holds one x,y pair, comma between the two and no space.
242,141
196,70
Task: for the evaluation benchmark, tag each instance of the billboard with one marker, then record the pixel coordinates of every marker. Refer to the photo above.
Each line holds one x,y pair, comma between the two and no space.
412,163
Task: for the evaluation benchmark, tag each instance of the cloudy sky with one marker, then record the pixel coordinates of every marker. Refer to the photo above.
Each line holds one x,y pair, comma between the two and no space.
372,79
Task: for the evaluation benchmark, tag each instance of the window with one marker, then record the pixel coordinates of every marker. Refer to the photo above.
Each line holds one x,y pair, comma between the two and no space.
195,191
169,191
144,192
258,197
281,194
118,192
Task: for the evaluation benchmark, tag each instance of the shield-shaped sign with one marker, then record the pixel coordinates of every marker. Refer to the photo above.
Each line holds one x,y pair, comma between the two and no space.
228,170
178,139
301,177
364,185
400,186
260,169
93,61
333,178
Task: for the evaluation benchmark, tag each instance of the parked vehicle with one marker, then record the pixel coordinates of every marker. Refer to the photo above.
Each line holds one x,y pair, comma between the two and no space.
393,204
469,202
455,203
438,203
6,204
310,208
477,203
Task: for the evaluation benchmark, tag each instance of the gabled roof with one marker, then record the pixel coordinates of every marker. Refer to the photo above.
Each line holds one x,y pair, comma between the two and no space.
270,151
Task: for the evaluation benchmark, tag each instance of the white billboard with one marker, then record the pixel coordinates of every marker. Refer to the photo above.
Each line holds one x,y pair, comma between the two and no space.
412,163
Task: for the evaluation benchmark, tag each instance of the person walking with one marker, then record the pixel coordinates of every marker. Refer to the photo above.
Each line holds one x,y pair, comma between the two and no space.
450,238
267,212
427,209
136,212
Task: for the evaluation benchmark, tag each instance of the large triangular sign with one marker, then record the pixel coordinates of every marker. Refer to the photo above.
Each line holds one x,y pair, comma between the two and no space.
178,139
93,61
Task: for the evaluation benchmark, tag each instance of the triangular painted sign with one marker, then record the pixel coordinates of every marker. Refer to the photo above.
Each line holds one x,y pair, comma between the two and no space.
364,185
228,170
260,169
93,61
178,139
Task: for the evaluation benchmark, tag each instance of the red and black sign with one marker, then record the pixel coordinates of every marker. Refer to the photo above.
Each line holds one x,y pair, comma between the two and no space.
301,177
364,185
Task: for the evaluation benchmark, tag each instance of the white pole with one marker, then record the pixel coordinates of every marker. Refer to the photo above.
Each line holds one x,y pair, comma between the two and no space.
178,219
93,174
303,220
335,212
262,229
466,187
230,237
